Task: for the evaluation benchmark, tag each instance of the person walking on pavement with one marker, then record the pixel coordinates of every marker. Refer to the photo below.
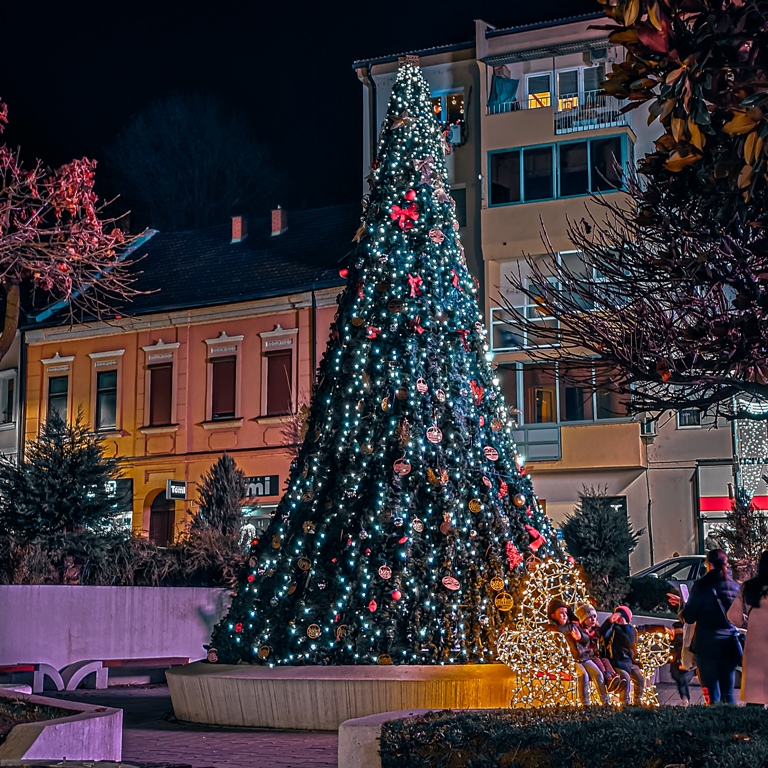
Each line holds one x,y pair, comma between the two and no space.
717,647
750,611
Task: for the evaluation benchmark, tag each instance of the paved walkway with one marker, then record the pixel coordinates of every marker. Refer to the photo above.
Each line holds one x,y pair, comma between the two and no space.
153,739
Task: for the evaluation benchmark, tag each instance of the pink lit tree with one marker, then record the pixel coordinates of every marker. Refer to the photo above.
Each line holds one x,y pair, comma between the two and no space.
54,245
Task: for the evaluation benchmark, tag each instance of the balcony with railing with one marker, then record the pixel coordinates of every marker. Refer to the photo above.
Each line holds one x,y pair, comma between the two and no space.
509,334
575,113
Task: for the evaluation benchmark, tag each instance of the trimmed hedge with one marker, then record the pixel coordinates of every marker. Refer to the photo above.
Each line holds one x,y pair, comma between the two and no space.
695,737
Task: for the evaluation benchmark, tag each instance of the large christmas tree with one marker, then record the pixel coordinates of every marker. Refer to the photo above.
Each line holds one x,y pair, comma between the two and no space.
408,506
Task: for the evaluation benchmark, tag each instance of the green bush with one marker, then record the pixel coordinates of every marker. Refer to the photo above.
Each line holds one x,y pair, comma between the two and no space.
648,595
714,737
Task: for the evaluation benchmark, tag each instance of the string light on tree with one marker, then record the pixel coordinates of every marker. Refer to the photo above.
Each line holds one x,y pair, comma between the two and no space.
398,517
543,663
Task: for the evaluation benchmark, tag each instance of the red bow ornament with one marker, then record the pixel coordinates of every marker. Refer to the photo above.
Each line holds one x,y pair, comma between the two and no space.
405,216
415,282
514,558
537,540
464,334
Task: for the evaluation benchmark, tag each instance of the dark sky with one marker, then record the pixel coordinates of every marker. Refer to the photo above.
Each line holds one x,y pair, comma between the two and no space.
73,73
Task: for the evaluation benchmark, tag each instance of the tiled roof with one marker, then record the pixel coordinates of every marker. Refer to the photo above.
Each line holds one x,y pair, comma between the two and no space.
545,24
181,270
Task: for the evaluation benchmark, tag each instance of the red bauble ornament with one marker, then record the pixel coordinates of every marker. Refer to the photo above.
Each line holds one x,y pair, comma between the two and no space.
238,627
251,577
410,195
372,606
403,540
344,273
396,594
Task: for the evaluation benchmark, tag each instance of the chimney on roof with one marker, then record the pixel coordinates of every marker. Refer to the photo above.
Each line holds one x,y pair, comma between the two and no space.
239,229
279,221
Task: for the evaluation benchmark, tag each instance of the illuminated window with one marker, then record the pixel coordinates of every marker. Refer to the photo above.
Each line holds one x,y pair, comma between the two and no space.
539,91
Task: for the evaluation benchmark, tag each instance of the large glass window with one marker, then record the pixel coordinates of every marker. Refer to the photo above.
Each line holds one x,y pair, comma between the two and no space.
539,384
568,89
604,154
576,392
531,173
538,176
160,394
505,177
223,381
106,400
58,388
574,168
557,393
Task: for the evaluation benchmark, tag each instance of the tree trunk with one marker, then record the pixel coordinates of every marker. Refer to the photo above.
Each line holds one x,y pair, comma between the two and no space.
11,320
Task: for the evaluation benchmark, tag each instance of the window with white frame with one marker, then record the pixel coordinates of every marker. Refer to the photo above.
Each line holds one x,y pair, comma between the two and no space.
688,417
578,86
539,90
56,395
223,397
8,404
278,365
160,384
106,390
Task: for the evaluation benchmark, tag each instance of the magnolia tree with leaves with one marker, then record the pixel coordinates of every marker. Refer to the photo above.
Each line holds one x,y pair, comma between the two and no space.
681,311
54,245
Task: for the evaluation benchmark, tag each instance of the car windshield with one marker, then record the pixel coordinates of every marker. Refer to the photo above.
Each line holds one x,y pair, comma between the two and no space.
677,571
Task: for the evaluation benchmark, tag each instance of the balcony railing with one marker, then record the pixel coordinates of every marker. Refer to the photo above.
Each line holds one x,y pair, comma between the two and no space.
583,112
587,112
509,335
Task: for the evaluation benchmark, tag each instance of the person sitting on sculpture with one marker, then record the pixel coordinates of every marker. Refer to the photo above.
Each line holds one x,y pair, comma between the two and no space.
564,621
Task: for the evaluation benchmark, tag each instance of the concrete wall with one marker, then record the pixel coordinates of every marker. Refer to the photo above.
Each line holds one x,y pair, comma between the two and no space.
59,625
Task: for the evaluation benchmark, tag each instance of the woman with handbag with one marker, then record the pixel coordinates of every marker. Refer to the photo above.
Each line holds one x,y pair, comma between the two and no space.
716,642
750,611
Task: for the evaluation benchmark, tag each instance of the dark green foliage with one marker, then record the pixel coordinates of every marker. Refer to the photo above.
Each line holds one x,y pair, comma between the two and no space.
648,595
62,484
221,493
601,539
715,737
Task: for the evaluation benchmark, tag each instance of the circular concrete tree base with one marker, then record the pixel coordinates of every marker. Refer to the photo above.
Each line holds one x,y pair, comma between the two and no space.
321,698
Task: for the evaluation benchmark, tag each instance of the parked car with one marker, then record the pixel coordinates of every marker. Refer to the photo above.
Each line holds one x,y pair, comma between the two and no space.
677,570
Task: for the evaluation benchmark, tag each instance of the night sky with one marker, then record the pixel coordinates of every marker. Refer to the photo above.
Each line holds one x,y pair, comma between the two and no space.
73,73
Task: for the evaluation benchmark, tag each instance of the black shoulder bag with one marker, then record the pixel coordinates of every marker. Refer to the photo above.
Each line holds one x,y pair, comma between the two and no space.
736,646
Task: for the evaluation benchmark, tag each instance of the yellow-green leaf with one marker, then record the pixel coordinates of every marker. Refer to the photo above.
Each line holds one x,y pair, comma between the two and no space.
631,12
678,128
674,75
653,15
739,124
623,37
745,177
677,161
753,146
697,137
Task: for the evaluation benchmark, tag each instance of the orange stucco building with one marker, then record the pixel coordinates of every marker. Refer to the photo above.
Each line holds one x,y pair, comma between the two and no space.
218,355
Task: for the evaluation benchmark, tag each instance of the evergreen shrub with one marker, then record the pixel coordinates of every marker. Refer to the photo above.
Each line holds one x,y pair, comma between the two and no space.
714,737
